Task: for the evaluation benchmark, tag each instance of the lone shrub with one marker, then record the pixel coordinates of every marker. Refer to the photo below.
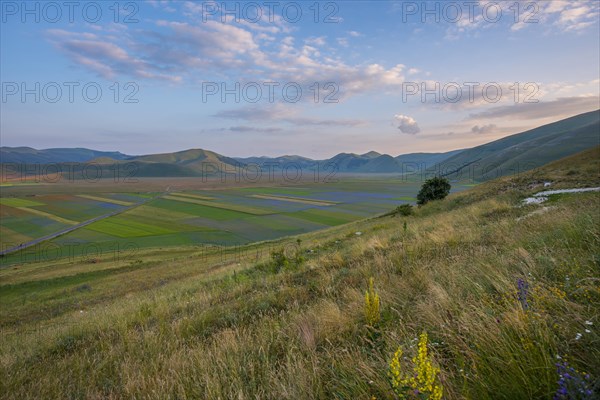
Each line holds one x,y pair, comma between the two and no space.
435,188
281,261
405,210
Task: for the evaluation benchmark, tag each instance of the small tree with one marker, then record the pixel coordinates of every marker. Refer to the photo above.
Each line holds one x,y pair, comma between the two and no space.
435,188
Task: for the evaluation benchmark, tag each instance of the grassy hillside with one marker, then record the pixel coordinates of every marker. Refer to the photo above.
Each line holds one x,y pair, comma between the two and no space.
504,292
525,151
426,158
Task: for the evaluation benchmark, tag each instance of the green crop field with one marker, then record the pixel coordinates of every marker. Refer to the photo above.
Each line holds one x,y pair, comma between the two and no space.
122,227
222,216
217,204
199,210
12,202
219,216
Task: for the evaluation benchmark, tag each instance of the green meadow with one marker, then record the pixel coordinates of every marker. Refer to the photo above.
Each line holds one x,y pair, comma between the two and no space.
502,292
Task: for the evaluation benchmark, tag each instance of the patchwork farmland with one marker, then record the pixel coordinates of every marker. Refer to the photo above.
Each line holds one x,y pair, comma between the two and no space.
224,217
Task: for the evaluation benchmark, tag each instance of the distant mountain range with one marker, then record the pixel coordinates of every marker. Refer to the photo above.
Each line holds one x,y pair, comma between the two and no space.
371,162
508,155
198,161
47,156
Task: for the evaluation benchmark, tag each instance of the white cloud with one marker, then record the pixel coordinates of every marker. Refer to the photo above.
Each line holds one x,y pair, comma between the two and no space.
245,129
316,41
484,129
559,15
343,42
561,107
104,58
281,113
407,124
182,51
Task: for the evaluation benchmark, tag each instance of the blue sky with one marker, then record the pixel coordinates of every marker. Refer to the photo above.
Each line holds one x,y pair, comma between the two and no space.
161,67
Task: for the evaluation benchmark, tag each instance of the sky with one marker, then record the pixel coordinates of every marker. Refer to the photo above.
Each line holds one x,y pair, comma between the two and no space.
283,77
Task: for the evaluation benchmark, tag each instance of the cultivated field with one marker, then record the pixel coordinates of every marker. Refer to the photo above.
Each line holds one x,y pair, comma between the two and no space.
226,216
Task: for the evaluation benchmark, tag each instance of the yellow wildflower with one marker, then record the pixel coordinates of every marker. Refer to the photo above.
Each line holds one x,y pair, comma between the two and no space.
371,305
423,382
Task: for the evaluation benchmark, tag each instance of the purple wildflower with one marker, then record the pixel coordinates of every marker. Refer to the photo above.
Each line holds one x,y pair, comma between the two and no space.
571,384
522,293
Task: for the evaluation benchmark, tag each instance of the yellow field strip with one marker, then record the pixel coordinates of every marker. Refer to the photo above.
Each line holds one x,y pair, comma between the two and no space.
48,215
105,200
158,213
193,196
296,200
231,207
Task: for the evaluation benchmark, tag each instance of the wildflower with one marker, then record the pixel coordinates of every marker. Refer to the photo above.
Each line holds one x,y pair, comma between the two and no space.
523,290
589,323
578,336
572,384
587,331
372,305
423,382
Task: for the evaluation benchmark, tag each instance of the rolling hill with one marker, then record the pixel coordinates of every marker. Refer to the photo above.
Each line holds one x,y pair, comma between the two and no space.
192,162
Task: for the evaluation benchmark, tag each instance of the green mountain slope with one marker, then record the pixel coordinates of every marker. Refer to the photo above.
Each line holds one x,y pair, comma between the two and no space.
428,159
524,151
